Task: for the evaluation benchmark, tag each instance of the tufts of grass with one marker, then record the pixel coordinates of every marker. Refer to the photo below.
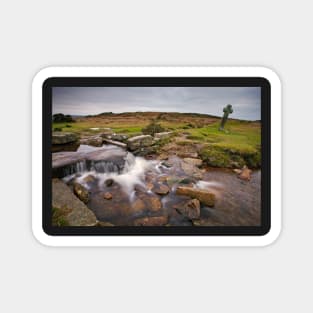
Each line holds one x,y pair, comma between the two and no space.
183,143
195,137
161,142
221,155
59,218
128,130
238,145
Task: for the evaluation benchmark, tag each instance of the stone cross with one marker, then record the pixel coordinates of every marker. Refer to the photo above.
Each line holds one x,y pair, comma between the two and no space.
227,110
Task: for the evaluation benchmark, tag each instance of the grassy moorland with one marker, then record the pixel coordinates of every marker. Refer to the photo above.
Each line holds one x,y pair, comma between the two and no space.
238,145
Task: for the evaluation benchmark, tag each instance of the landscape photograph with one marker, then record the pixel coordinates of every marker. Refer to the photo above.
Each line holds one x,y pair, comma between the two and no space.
156,156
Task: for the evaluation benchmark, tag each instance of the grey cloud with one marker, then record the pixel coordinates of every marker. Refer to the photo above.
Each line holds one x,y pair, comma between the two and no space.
246,101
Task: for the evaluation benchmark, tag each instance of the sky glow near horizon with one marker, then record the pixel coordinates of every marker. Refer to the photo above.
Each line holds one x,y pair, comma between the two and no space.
246,101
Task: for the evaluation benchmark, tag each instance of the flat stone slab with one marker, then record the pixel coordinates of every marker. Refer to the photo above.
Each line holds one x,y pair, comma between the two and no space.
65,163
115,143
75,212
65,158
204,196
162,135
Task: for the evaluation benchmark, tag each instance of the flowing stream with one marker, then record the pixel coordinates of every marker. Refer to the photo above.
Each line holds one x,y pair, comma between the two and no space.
131,180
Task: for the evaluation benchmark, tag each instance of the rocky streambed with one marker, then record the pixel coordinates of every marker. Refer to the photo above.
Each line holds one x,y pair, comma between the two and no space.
119,188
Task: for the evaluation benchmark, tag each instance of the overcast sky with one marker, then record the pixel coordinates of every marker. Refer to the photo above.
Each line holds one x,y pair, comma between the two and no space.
246,101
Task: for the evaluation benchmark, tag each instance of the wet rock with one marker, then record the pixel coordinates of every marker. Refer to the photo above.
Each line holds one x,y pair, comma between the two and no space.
149,186
193,161
172,180
245,173
95,141
138,142
154,204
151,203
191,170
119,137
190,209
187,181
162,178
166,164
107,196
204,196
160,189
72,146
75,212
140,189
89,179
137,206
163,156
151,221
144,151
104,224
109,182
81,192
237,171
60,138
162,135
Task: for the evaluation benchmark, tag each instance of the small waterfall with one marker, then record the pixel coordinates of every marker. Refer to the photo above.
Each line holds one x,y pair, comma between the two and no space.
130,162
78,167
105,167
101,166
126,170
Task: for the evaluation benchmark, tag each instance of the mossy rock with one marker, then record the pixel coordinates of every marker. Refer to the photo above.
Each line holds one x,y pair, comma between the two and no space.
230,157
59,217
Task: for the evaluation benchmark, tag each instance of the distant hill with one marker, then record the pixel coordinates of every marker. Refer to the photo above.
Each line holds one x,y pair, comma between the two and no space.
149,116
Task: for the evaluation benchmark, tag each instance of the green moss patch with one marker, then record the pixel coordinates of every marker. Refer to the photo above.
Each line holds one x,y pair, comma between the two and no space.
59,217
230,156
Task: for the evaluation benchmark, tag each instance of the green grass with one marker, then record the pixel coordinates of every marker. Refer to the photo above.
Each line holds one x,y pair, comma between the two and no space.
58,218
239,144
85,127
183,143
128,130
236,132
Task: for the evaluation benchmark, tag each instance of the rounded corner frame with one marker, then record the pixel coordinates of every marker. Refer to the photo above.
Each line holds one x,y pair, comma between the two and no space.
157,241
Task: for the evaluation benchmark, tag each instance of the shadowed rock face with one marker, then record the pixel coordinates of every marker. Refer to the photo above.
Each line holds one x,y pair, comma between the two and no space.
75,212
72,146
61,138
